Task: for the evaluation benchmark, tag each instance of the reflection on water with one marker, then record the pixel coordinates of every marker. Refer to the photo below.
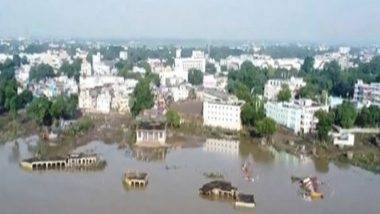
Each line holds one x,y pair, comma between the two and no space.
286,158
147,154
222,146
174,191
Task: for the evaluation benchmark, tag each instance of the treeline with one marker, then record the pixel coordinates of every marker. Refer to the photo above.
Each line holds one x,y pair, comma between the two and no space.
45,111
44,71
10,100
347,116
290,51
335,80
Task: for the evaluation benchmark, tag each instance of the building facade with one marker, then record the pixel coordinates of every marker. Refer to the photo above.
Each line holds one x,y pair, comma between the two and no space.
222,111
274,86
183,65
297,115
367,94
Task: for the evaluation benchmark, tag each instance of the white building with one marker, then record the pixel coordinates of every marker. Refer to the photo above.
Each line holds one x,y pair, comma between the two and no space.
274,86
179,92
221,110
86,68
102,94
183,65
100,67
367,94
209,81
52,87
22,75
123,55
344,139
297,115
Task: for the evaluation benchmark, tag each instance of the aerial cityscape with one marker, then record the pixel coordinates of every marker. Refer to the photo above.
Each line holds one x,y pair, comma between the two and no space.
189,106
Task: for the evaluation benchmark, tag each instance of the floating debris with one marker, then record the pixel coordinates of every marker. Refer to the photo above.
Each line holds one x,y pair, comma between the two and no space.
309,187
247,169
213,175
167,167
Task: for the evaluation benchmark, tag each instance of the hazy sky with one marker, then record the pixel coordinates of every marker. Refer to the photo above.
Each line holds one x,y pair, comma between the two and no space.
282,20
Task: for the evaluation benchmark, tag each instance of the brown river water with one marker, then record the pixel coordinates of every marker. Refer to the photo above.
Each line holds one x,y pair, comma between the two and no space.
175,176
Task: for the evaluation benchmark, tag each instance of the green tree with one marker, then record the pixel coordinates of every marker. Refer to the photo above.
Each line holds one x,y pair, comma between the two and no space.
284,95
39,110
57,107
173,119
345,115
266,127
26,97
308,65
369,117
195,77
71,70
143,97
155,78
324,125
41,71
242,92
210,68
252,112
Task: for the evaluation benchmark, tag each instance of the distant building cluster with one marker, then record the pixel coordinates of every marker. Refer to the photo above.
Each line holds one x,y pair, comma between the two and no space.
274,86
367,94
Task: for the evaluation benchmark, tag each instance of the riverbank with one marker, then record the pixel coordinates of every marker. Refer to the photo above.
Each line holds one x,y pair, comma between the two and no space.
111,128
363,154
116,128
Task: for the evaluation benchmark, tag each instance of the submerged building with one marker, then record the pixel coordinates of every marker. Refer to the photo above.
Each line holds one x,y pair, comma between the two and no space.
151,131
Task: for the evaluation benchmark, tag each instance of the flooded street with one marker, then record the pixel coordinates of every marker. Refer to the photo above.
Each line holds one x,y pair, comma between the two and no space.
175,176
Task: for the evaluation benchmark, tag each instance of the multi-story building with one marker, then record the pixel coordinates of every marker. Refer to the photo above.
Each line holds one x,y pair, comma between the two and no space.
274,86
183,65
102,67
367,94
297,115
221,110
101,94
52,87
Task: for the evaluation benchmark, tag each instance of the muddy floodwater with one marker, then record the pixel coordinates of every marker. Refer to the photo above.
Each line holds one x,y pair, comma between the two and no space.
175,176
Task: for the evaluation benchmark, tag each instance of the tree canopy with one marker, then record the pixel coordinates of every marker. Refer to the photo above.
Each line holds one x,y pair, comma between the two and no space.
345,115
172,118
266,127
284,95
71,70
195,77
40,72
143,97
324,125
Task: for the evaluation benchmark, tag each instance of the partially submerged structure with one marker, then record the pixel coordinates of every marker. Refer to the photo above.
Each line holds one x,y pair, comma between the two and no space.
81,160
224,190
135,179
245,200
219,189
151,130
